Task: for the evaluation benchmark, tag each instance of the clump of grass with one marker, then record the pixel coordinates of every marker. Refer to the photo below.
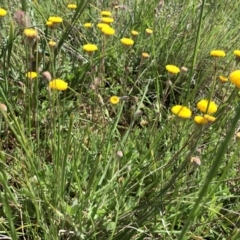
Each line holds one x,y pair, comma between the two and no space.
119,121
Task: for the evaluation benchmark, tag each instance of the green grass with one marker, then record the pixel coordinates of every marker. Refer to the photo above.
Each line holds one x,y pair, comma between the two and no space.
75,166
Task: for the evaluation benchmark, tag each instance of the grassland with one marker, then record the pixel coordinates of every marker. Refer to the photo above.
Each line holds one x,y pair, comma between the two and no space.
91,144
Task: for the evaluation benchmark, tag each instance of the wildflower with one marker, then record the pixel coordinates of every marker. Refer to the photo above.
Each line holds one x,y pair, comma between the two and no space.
87,25
30,33
3,107
200,120
235,78
51,43
181,111
207,106
114,100
149,31
127,41
107,20
72,6
145,55
22,19
55,20
238,135
49,23
47,76
184,69
236,53
31,75
223,78
217,53
108,30
209,118
58,84
101,25
119,154
3,12
106,13
172,69
134,33
90,47
196,160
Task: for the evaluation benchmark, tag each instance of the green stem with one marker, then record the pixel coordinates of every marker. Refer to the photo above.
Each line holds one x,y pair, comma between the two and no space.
195,50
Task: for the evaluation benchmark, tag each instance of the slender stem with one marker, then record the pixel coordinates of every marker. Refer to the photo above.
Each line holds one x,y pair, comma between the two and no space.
195,50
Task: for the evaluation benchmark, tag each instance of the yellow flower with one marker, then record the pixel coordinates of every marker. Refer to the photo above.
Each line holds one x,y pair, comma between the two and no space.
200,120
72,6
114,100
3,12
51,43
207,106
217,53
172,69
209,118
90,47
58,84
55,19
235,78
134,33
49,23
30,33
127,41
87,25
107,20
149,31
223,78
31,75
106,13
101,25
181,111
145,55
236,53
108,30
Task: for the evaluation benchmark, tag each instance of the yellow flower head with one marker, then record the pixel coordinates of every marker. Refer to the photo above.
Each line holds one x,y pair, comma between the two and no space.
172,69
87,25
58,84
3,12
236,53
181,111
55,20
106,13
200,120
209,118
31,75
101,25
51,43
90,47
107,20
114,100
223,78
217,53
207,106
127,41
235,78
145,55
134,33
49,23
149,31
72,6
30,33
108,30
